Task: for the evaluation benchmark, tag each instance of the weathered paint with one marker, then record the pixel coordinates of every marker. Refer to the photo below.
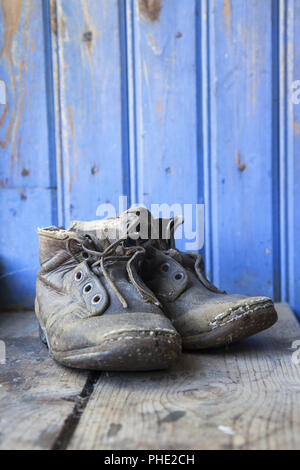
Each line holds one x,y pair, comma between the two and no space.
150,10
242,171
164,122
2,92
164,101
289,66
26,187
90,90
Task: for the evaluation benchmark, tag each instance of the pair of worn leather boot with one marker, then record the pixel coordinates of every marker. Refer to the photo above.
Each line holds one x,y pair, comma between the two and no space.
110,297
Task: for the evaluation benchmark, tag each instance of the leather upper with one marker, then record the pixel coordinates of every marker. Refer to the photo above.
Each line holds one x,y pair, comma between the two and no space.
70,286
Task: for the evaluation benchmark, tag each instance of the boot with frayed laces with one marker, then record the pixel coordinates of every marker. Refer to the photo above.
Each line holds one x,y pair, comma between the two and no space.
205,316
94,310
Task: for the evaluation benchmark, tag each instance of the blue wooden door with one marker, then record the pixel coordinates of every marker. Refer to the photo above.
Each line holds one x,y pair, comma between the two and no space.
174,101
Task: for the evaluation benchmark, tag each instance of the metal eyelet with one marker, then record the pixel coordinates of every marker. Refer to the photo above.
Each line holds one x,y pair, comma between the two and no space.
178,276
87,288
78,276
165,267
85,255
96,299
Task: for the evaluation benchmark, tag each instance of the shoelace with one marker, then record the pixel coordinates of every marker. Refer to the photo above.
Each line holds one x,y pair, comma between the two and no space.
109,256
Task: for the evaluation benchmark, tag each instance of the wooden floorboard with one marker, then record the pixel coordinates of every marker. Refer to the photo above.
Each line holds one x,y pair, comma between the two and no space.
247,397
37,396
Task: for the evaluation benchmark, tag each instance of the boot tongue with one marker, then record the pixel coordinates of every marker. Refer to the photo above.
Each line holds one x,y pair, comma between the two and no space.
107,231
133,224
168,227
137,223
159,228
143,226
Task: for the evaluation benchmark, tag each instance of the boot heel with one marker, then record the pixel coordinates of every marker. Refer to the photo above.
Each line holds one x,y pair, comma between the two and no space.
42,336
42,333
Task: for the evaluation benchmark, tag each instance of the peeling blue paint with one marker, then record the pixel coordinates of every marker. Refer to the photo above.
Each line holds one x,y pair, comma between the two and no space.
188,104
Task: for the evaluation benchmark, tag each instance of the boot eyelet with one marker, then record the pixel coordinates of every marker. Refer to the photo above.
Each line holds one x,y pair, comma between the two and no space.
85,255
96,299
87,288
78,276
165,267
178,276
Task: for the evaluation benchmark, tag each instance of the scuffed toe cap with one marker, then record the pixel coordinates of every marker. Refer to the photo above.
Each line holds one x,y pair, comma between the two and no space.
230,319
245,308
132,341
72,333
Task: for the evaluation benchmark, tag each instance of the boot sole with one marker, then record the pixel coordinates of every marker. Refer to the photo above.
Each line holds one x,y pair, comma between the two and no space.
128,351
234,327
125,351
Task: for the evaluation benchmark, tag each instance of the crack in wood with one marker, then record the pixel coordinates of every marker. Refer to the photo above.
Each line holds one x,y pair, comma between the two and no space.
73,419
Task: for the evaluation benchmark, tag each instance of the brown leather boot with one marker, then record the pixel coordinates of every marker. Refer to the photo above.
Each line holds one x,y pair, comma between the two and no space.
94,310
204,316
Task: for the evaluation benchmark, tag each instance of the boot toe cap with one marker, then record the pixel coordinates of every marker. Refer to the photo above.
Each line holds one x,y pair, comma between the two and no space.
229,319
131,341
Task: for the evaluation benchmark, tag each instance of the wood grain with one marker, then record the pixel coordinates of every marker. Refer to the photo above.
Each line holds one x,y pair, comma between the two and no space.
90,98
162,78
27,189
247,397
242,153
36,394
163,101
290,150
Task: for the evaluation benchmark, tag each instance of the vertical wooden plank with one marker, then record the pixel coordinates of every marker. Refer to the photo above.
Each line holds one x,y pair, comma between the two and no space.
26,186
94,158
295,169
243,153
164,98
204,128
290,150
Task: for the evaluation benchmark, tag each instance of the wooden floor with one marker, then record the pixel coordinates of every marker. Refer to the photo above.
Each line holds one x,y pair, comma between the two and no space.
245,397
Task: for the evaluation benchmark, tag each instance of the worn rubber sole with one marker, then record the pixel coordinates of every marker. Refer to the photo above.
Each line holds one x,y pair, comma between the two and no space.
234,325
127,351
139,350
